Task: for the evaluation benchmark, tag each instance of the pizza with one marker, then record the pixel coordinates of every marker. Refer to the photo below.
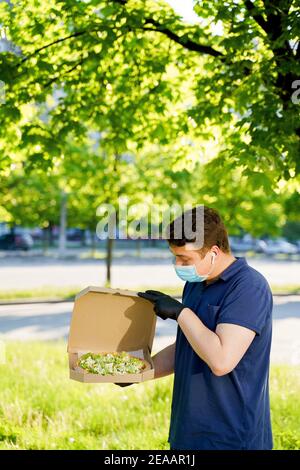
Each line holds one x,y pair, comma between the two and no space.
111,363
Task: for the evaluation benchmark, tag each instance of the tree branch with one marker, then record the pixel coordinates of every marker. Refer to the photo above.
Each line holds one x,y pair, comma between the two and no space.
257,17
298,51
186,43
78,33
67,71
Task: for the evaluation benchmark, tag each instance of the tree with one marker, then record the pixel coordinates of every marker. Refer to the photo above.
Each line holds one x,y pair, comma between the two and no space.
31,201
126,62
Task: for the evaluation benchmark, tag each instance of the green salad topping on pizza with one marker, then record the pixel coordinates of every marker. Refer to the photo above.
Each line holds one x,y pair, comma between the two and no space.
111,363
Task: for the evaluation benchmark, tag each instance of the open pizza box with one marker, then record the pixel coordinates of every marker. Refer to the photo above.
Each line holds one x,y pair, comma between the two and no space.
111,320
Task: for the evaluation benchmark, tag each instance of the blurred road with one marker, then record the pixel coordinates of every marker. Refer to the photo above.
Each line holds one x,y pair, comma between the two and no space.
44,321
154,268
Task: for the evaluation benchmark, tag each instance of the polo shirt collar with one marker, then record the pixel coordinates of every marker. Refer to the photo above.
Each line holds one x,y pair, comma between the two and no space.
233,268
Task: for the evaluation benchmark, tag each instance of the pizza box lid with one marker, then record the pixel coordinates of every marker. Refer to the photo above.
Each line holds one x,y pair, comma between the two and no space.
105,320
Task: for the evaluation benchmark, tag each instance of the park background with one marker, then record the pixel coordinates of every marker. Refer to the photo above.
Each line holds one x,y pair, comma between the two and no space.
156,103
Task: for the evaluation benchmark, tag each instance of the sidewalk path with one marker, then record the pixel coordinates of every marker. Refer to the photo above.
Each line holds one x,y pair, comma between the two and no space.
44,321
155,267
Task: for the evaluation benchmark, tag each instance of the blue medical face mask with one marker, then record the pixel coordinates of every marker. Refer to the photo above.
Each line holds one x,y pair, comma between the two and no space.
189,273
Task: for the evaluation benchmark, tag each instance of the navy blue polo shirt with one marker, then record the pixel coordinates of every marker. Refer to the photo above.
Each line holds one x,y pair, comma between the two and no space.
230,411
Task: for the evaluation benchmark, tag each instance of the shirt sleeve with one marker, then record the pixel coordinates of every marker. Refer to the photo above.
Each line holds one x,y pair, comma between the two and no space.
249,304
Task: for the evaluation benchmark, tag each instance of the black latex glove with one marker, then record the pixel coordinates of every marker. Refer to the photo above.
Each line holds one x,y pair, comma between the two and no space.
165,306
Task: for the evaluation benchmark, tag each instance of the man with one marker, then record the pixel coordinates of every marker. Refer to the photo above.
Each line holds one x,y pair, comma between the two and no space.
221,355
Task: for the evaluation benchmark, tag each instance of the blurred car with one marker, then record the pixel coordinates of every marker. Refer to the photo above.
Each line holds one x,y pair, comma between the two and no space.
11,241
37,233
297,243
75,234
4,228
273,247
244,244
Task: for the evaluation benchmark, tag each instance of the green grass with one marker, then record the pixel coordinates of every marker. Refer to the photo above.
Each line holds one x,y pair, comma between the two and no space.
285,406
41,408
45,292
69,292
290,289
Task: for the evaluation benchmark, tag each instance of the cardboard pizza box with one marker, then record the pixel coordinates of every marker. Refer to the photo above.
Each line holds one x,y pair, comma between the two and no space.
111,320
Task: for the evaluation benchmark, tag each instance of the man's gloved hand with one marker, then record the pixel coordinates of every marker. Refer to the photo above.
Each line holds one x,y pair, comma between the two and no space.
165,306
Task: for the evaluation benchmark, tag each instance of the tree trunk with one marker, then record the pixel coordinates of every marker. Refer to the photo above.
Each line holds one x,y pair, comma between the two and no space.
138,247
82,241
45,240
109,251
113,223
51,237
93,247
63,225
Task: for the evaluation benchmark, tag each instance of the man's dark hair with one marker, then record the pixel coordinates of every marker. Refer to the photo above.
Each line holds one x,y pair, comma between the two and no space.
214,231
